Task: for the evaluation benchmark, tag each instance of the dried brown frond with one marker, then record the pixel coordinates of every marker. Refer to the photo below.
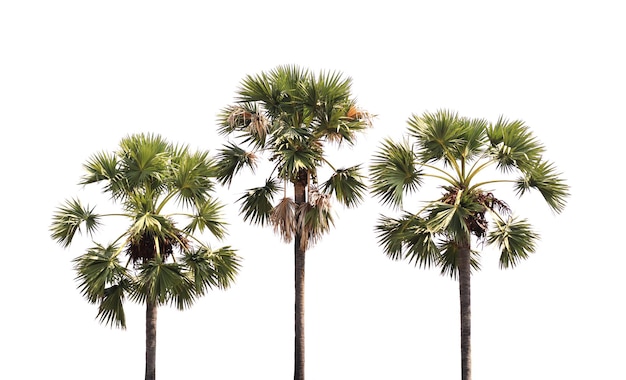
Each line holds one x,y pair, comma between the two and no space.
314,218
283,218
254,122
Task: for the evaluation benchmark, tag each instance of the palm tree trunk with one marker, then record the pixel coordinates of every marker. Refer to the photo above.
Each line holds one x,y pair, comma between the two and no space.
466,313
151,319
299,253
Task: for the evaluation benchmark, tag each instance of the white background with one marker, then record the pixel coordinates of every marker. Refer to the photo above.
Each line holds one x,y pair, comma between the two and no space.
77,76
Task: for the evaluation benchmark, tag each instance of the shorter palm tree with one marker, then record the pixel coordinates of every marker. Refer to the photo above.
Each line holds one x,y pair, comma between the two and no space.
458,152
164,263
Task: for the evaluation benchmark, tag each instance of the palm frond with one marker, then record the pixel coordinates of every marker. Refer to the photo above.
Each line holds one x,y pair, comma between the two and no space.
513,145
544,177
516,240
439,135
313,219
408,237
212,268
191,177
164,283
256,203
283,218
68,218
111,308
347,186
144,160
394,172
98,269
231,160
208,216
449,259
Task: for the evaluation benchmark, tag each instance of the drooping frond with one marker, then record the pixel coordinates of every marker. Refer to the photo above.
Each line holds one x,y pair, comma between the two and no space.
67,220
231,160
111,307
409,238
516,240
211,268
449,259
544,177
98,269
394,172
164,283
314,218
256,203
347,186
283,218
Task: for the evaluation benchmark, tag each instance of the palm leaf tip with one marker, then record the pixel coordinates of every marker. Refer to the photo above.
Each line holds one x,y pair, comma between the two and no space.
516,240
544,177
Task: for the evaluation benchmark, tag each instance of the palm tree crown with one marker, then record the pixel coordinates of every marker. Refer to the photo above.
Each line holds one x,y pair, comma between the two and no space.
457,151
287,115
148,177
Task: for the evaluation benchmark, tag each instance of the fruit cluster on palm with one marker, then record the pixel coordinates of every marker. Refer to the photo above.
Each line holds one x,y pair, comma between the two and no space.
287,115
467,157
154,261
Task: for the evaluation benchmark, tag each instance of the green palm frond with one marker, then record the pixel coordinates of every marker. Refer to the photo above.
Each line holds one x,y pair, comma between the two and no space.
449,259
450,219
67,220
439,135
394,172
231,160
516,240
513,145
208,216
212,268
256,203
98,269
347,186
164,283
111,308
191,177
409,238
144,160
544,177
102,166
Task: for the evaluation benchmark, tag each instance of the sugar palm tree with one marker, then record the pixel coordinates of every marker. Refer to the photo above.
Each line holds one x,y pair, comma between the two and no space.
288,115
466,156
157,185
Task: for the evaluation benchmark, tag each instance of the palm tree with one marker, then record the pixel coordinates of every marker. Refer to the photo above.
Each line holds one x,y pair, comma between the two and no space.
466,156
288,114
148,177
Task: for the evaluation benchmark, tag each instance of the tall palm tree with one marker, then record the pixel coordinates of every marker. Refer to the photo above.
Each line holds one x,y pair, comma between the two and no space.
288,114
157,185
466,156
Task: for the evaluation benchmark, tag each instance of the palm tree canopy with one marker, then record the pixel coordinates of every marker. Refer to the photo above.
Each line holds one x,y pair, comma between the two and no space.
157,186
457,152
288,115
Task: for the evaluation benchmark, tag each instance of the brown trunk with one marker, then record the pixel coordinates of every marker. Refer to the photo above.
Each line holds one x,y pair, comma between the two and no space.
151,320
299,253
466,312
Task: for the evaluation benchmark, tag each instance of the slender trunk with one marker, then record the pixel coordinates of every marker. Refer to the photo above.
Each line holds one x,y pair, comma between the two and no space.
466,313
151,320
299,253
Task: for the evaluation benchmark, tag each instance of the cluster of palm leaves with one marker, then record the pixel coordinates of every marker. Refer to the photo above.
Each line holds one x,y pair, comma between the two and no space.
288,115
460,152
154,261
